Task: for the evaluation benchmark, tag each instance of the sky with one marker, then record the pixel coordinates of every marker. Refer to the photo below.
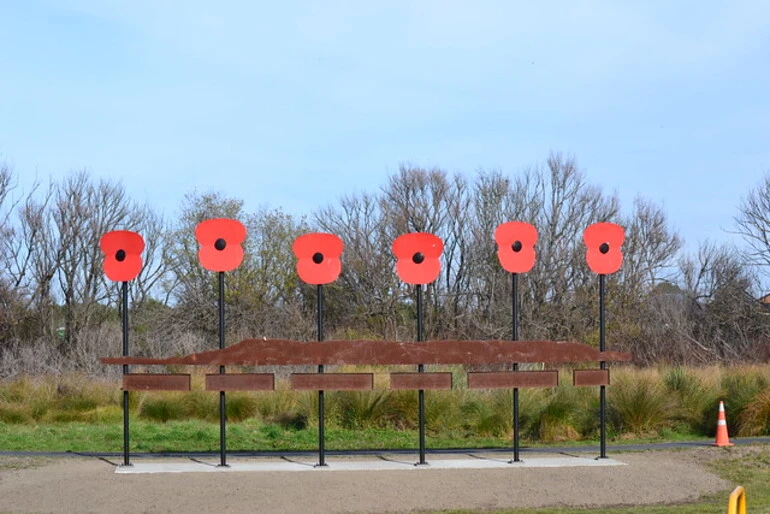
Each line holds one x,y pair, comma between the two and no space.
292,105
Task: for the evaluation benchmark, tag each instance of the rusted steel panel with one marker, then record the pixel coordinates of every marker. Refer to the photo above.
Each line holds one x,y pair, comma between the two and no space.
511,379
240,382
416,381
332,381
591,377
279,352
156,382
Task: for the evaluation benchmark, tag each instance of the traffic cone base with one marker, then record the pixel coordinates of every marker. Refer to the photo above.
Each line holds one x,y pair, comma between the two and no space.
722,437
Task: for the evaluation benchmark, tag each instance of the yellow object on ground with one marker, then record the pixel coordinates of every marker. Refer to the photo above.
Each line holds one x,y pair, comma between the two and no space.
737,502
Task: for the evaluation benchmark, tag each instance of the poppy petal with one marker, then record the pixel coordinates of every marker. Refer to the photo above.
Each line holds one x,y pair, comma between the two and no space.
423,273
127,240
407,245
216,260
307,245
323,273
207,232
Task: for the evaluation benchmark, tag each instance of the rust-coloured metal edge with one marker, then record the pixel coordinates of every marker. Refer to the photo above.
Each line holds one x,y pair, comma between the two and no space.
240,382
591,377
332,381
279,352
425,381
511,379
156,382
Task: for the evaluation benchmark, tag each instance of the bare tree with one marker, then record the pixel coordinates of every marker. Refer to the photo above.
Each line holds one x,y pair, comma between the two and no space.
753,224
560,282
725,321
366,286
261,294
82,212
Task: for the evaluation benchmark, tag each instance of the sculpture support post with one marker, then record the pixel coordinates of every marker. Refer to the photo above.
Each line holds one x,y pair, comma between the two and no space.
420,369
515,337
602,365
222,405
321,413
124,312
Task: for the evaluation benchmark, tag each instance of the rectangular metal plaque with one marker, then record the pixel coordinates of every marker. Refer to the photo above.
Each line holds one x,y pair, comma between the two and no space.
156,382
417,381
332,381
240,382
512,379
591,377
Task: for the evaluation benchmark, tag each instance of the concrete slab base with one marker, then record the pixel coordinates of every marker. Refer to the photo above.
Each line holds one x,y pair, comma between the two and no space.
383,463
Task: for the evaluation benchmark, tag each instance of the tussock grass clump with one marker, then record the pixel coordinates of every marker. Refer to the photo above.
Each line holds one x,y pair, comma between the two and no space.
57,399
740,387
755,418
203,405
488,413
286,408
15,415
366,409
693,394
566,414
239,406
443,412
639,403
162,408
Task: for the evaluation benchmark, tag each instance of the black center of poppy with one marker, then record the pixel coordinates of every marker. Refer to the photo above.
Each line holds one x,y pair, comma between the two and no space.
516,246
120,255
318,257
220,244
604,248
418,258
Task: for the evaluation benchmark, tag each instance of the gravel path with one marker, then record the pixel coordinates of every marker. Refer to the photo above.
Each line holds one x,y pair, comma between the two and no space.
91,485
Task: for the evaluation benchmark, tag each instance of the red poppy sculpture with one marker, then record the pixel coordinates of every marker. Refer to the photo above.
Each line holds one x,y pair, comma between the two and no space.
220,242
417,257
603,242
516,246
318,257
122,254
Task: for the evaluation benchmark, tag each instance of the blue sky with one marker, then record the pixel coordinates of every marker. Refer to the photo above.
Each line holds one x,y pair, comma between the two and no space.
293,104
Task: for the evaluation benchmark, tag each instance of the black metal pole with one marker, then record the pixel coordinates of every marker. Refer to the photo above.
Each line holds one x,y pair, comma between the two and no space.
420,369
515,329
602,365
124,312
222,405
321,413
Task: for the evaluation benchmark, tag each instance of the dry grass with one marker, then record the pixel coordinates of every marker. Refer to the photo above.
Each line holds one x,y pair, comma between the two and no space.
642,402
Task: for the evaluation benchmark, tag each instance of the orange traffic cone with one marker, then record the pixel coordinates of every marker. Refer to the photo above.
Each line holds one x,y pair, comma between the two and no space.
722,438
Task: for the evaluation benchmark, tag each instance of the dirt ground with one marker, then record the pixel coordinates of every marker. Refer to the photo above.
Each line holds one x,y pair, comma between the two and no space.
91,485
